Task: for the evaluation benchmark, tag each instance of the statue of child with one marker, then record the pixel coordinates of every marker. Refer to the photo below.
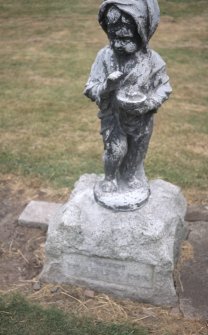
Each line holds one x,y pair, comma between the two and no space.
128,81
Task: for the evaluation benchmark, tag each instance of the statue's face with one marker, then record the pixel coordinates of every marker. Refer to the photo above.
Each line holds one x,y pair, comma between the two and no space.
122,31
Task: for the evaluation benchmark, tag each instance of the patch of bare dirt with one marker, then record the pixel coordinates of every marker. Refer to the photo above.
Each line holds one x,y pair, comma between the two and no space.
18,245
21,248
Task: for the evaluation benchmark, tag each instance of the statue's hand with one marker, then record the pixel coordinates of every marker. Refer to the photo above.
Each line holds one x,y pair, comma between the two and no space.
145,108
113,80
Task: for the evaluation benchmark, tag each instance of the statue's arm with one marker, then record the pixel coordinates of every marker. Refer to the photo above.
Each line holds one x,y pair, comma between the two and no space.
95,87
162,89
160,82
100,83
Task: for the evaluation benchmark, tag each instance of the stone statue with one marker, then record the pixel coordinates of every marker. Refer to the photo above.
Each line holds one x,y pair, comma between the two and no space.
128,82
129,254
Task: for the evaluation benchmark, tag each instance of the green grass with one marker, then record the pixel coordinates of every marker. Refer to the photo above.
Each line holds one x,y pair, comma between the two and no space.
176,8
49,130
182,8
19,317
46,7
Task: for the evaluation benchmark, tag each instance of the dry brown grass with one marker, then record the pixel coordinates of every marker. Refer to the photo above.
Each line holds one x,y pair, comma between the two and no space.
102,307
180,33
186,254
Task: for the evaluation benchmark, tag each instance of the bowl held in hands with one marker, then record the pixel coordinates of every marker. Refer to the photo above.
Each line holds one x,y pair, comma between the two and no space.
130,101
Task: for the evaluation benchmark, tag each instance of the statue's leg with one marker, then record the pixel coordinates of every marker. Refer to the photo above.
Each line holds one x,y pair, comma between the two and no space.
115,149
132,168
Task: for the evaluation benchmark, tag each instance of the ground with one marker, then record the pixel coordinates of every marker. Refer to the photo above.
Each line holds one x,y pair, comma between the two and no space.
21,260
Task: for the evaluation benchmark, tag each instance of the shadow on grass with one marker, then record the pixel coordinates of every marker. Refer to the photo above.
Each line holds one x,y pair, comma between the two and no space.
20,317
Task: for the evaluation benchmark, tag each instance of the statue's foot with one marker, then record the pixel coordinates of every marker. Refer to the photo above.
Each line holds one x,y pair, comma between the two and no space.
121,196
135,183
109,185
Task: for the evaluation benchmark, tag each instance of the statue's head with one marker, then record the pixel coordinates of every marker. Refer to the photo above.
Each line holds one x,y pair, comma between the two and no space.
129,24
122,31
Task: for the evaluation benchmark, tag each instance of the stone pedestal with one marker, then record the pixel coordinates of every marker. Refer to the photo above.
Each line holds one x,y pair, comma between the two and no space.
129,254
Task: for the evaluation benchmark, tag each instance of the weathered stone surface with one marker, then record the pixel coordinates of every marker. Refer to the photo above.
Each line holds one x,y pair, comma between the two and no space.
196,213
37,214
129,83
193,292
124,199
37,286
130,254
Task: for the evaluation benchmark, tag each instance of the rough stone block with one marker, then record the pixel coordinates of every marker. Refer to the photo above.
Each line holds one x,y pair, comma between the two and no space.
37,214
129,254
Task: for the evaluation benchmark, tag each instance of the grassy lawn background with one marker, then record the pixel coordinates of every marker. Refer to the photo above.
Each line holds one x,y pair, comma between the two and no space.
49,131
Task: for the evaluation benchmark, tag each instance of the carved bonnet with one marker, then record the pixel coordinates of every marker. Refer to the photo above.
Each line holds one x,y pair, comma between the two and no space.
146,14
